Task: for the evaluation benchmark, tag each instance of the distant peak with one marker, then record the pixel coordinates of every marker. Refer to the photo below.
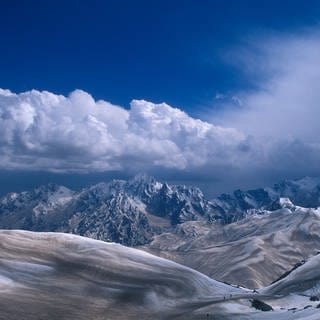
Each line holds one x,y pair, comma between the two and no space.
143,177
286,203
308,183
165,188
50,187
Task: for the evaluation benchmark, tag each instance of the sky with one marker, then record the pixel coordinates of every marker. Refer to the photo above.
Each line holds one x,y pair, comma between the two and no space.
219,94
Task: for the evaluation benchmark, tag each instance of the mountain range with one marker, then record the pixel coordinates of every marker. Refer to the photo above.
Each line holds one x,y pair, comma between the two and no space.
248,238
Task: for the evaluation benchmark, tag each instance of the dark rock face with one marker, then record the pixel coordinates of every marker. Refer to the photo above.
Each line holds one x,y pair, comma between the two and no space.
260,305
314,298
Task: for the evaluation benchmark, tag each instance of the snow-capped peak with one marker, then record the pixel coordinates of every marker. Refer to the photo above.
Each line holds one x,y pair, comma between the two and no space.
286,203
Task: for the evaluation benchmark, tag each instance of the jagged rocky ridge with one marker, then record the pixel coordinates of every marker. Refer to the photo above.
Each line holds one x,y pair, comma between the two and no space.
133,212
128,212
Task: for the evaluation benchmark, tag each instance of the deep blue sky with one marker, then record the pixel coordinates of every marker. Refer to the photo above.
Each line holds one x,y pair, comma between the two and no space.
120,50
170,51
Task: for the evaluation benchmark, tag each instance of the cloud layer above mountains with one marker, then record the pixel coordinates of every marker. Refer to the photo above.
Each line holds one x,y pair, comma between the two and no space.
273,132
41,130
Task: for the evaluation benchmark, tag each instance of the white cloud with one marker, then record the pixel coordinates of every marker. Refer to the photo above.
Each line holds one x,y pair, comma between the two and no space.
44,131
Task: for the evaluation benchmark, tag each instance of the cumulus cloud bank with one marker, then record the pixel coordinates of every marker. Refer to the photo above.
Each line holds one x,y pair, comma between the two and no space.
44,131
272,134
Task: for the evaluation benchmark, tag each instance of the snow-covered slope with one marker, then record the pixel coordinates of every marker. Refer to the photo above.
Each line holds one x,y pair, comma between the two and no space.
303,280
252,252
58,276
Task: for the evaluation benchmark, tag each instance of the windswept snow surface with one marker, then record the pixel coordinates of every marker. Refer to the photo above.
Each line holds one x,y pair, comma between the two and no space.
60,276
252,252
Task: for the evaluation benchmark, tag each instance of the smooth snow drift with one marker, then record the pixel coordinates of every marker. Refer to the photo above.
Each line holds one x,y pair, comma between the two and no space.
60,276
